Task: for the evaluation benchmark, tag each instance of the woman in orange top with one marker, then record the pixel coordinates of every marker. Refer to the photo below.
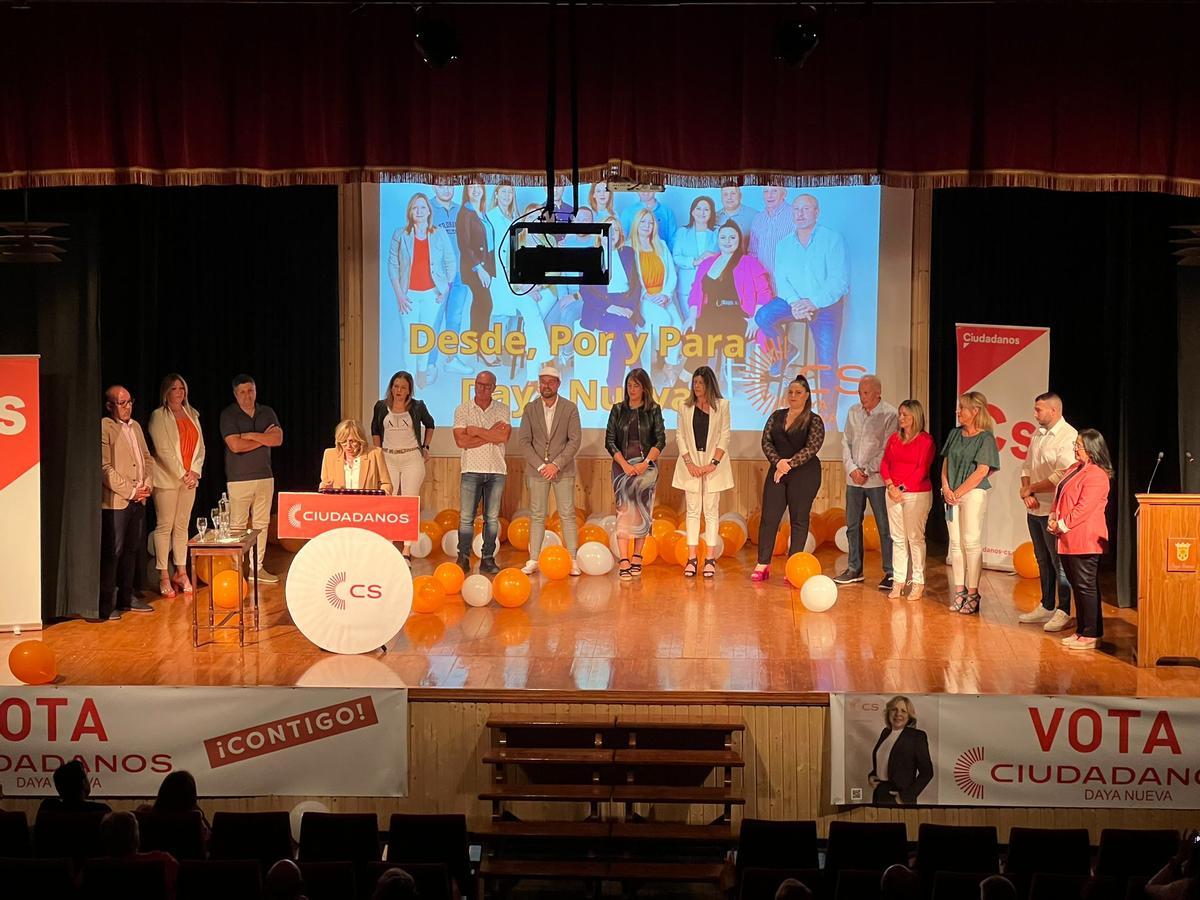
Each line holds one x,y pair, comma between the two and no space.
178,461
656,271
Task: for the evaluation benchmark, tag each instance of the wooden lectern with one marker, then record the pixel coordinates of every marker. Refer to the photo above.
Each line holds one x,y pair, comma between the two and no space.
1168,578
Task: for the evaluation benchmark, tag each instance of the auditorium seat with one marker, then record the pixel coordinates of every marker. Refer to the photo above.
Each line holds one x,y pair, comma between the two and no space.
44,879
1134,851
180,834
227,879
74,835
957,885
262,836
1046,886
432,839
337,837
329,880
766,844
761,884
866,846
14,835
857,884
432,879
955,848
124,879
1048,851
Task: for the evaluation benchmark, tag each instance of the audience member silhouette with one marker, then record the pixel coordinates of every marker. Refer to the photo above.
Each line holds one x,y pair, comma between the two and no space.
899,883
997,887
284,882
73,786
791,889
394,884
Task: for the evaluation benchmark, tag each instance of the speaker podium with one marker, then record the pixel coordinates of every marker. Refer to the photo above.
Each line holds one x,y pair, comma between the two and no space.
1168,579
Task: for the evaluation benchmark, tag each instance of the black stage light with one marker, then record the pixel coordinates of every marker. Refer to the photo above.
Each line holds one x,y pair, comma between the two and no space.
794,41
435,39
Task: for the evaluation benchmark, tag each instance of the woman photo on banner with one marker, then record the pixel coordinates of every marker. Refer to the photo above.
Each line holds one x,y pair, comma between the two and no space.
421,268
614,308
476,259
900,764
656,272
695,243
600,199
509,303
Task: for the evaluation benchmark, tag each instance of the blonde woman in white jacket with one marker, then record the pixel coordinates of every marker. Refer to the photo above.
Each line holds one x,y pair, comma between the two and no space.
178,461
703,470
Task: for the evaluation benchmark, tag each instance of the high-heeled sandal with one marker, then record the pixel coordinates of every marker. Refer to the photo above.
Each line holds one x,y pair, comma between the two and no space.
165,589
761,574
970,606
625,570
960,597
710,568
689,571
182,585
635,568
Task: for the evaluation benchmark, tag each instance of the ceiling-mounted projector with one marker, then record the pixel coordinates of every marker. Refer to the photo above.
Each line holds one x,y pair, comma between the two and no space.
625,184
559,253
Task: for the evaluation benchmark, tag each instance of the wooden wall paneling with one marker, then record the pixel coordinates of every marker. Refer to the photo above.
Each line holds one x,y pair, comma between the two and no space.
350,298
922,240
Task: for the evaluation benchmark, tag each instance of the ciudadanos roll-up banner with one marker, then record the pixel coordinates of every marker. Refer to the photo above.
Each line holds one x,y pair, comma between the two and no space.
235,741
998,750
1010,365
20,494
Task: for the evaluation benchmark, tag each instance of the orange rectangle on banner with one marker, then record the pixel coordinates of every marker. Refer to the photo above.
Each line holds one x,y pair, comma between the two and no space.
306,515
293,731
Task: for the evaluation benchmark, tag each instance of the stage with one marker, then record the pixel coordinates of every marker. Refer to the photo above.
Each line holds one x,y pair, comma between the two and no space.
661,636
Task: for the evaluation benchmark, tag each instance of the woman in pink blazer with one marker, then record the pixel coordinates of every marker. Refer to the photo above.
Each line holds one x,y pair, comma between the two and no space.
1078,521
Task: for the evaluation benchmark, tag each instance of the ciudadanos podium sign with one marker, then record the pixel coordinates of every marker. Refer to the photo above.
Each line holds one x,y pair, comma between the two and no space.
20,494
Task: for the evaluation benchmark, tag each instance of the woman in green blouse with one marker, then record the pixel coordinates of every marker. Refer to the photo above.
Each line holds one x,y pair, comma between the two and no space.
970,455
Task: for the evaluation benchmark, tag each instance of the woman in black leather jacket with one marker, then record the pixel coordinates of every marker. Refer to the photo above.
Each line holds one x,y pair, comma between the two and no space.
635,438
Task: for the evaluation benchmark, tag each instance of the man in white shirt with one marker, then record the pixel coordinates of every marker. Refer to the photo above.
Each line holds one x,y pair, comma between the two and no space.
812,282
869,424
481,429
1051,453
549,438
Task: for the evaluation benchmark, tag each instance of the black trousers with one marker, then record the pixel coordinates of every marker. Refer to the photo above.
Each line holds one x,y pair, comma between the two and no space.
1083,573
122,533
795,493
481,303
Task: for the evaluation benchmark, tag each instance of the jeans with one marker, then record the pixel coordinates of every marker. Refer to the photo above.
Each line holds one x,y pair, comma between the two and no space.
450,316
122,534
1082,570
473,487
1050,567
826,330
856,506
539,497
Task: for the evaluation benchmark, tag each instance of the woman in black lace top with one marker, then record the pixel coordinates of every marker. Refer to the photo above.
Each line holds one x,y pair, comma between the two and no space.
790,441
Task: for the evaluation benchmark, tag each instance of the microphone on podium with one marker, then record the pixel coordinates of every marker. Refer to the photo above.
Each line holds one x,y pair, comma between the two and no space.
1157,462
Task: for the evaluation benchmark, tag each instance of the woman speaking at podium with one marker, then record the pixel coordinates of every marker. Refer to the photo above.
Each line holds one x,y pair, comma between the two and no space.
350,464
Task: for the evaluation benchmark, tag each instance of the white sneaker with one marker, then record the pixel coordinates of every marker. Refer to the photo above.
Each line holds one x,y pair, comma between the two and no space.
267,577
1035,616
530,567
575,570
457,365
1057,622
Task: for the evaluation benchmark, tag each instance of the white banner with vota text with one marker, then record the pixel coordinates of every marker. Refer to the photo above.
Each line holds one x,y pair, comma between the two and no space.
235,741
997,750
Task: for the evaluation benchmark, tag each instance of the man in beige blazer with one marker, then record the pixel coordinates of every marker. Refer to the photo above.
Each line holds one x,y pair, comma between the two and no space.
127,473
549,439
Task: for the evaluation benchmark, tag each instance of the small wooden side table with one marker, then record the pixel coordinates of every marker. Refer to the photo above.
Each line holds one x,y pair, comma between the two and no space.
242,547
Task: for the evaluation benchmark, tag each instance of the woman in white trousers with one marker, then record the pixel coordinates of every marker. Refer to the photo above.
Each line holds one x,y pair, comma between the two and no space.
178,461
702,471
970,456
907,457
402,428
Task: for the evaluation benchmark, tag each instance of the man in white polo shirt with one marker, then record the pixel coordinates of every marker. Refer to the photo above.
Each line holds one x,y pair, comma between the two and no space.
481,429
1051,453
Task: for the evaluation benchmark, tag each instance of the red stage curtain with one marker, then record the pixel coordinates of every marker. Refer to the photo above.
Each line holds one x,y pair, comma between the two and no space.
1082,96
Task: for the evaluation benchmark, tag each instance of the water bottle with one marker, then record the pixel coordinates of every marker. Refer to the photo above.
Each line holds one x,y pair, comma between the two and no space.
223,504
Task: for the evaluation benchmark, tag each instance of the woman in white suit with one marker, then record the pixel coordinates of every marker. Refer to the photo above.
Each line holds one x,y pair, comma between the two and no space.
703,471
178,461
421,267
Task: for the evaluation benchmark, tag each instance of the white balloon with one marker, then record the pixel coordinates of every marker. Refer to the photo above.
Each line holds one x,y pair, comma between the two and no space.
596,519
810,544
477,590
841,540
609,524
594,559
819,593
719,550
427,515
298,811
736,517
551,540
450,542
477,545
422,546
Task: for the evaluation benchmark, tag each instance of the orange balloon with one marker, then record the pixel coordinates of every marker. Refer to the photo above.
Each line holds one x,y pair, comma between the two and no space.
752,524
478,525
834,518
593,532
666,548
428,594
682,555
660,528
518,533
783,539
1025,561
208,566
228,590
553,520
424,631
447,518
665,512
801,567
555,563
511,587
32,662
649,550
733,535
871,533
819,528
450,576
434,530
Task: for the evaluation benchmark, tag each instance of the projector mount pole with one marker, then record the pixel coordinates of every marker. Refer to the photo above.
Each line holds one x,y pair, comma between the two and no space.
551,107
573,80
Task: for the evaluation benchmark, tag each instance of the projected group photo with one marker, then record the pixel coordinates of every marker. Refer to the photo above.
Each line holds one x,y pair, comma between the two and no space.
759,283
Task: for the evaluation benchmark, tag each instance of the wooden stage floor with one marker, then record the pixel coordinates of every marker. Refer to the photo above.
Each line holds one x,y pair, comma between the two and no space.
660,634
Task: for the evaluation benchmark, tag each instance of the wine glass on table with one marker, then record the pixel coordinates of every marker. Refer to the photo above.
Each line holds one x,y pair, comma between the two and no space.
201,527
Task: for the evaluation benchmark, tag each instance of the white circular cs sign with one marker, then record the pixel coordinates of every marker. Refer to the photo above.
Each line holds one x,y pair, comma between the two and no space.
349,590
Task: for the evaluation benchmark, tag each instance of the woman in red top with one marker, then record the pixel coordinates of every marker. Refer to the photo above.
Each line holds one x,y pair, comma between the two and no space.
1078,521
905,469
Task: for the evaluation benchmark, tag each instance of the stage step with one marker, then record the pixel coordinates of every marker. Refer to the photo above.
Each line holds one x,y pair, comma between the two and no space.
655,793
537,793
558,756
658,757
548,830
511,724
631,724
673,832
682,873
589,870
